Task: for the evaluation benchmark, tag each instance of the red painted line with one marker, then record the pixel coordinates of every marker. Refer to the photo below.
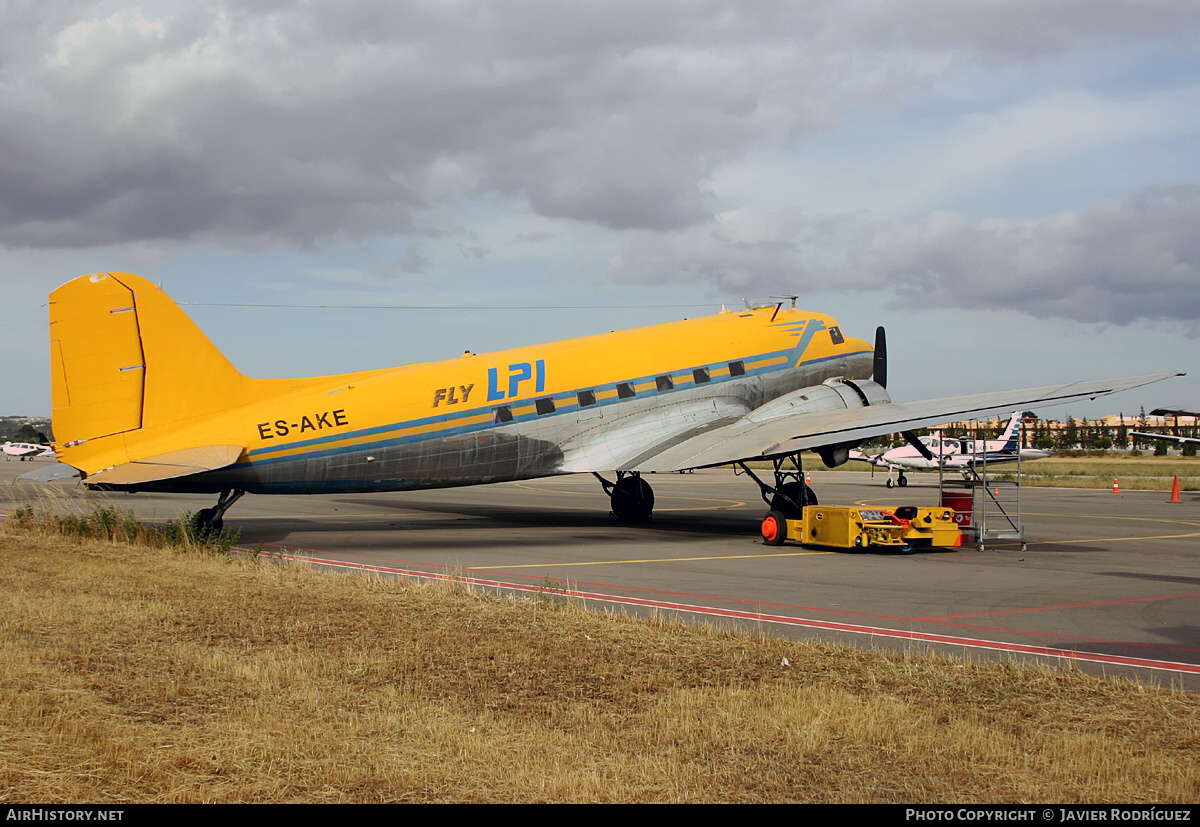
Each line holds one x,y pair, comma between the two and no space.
574,584
935,618
784,620
1008,630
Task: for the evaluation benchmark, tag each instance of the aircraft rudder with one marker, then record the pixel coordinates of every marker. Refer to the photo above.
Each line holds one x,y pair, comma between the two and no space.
124,356
1012,431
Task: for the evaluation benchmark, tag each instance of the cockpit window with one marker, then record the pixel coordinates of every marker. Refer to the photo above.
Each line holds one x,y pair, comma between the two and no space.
836,335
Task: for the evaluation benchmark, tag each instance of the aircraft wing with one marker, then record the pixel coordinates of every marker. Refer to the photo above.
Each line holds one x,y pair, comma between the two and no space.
751,439
1182,440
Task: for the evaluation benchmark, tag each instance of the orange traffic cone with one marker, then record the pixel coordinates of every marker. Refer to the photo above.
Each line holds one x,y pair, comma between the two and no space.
1116,486
1174,490
808,477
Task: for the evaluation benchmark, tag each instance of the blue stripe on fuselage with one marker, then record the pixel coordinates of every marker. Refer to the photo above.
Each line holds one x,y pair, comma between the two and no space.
569,399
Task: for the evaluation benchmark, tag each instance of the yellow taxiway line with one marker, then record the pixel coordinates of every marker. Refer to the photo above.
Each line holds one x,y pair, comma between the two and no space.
651,560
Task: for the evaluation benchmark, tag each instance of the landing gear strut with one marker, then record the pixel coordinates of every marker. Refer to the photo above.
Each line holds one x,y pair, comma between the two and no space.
631,496
790,494
208,521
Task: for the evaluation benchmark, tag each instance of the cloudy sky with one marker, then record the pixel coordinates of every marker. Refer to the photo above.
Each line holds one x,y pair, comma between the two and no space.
1011,188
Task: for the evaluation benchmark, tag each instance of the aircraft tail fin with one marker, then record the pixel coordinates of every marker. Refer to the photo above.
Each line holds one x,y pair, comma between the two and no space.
1012,432
124,356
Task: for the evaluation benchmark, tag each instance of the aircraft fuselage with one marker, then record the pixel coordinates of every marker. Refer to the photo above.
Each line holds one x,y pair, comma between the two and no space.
536,411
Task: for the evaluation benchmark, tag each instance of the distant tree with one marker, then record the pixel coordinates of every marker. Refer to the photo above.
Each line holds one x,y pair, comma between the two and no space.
1045,442
1122,438
1087,435
27,433
1160,447
1070,435
1189,450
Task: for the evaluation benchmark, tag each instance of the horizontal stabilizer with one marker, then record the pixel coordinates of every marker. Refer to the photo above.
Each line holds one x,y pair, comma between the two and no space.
50,473
168,466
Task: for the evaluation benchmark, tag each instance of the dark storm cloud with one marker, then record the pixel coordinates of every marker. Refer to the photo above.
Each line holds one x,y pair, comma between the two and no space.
1011,29
1133,258
255,124
264,124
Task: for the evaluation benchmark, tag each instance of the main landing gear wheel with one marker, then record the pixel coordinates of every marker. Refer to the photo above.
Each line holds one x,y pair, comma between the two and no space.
788,502
902,480
632,500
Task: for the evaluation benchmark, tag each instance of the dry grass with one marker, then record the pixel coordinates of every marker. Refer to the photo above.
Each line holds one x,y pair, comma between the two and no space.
131,674
1142,473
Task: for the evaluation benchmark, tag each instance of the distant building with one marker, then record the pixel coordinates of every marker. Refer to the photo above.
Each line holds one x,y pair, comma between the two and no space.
1089,433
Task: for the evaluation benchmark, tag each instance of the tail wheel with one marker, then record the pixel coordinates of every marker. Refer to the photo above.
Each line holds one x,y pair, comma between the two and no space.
774,529
206,523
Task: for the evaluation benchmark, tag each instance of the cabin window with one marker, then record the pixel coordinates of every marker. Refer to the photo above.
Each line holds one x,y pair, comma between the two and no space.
664,383
737,368
544,406
625,390
502,414
700,376
836,335
586,398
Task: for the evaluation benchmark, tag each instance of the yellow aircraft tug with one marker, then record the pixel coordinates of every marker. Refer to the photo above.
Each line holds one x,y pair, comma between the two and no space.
905,528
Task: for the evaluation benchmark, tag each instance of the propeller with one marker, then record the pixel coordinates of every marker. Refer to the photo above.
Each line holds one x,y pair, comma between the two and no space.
915,441
880,374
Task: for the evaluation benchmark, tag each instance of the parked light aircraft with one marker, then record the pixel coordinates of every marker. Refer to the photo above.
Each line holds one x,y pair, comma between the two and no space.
952,454
1182,440
143,401
26,450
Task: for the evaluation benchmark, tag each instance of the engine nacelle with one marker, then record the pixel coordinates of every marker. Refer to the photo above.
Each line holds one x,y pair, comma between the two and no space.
830,395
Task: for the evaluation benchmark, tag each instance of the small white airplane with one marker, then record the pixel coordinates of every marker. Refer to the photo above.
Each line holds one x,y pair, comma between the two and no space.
1177,412
26,450
952,454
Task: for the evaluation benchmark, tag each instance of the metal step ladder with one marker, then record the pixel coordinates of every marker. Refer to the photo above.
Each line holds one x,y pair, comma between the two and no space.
995,502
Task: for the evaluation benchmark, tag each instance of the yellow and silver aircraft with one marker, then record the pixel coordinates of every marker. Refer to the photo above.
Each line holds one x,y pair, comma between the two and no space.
143,401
